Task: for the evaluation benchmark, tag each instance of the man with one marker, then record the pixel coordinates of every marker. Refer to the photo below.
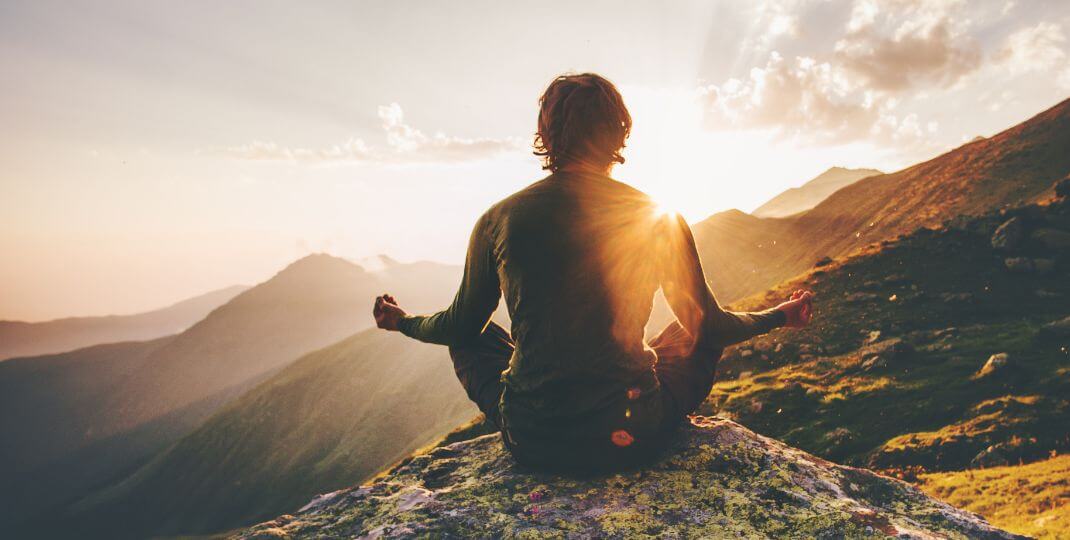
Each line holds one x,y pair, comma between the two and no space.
579,258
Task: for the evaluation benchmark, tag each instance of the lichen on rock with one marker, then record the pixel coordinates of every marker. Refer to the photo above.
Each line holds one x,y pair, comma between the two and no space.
716,479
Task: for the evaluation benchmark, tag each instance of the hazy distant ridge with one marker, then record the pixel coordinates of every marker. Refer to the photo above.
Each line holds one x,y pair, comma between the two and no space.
810,194
18,338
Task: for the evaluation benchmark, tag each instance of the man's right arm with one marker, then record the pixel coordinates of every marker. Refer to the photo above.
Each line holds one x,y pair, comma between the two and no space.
684,284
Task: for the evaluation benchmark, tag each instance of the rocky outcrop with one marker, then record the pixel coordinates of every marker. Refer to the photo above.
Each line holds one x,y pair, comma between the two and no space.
717,479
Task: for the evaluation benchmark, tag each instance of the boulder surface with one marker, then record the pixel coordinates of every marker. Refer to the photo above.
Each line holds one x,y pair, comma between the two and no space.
717,479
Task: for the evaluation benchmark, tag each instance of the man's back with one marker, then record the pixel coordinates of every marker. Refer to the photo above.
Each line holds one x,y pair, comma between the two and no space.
576,259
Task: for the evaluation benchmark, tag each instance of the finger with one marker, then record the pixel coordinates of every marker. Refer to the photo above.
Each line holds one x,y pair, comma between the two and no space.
378,302
390,298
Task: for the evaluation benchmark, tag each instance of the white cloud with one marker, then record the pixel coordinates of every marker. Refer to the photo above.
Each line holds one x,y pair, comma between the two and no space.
404,144
809,100
1035,48
898,45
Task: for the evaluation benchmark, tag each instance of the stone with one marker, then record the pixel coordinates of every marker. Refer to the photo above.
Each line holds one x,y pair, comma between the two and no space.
823,261
1052,239
1056,330
716,479
860,297
996,363
956,298
1044,293
993,456
1009,235
1062,188
872,337
895,279
1043,267
1019,265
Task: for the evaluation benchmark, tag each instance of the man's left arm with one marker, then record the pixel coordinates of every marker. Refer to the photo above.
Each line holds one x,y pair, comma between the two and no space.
464,320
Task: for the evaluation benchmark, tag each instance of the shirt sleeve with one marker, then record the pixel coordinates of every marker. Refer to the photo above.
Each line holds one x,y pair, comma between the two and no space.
464,320
684,284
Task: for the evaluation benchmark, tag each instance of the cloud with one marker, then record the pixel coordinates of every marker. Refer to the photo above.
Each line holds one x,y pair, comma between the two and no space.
902,44
1035,48
404,144
808,100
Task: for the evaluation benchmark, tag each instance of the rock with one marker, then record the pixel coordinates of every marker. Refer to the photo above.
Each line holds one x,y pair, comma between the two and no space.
872,337
717,479
1062,188
1021,265
1009,235
1052,239
860,297
839,436
997,362
745,353
993,456
1043,267
895,279
956,298
823,261
1056,330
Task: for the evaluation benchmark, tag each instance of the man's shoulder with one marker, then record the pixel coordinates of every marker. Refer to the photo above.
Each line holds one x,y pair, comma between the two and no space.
519,197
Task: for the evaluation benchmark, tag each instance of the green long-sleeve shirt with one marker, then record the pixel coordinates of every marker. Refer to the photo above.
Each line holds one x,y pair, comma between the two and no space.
579,258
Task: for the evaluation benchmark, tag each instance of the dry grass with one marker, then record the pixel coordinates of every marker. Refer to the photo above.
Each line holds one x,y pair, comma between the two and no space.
1031,499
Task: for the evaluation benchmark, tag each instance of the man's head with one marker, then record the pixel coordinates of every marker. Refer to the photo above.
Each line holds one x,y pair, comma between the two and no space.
582,122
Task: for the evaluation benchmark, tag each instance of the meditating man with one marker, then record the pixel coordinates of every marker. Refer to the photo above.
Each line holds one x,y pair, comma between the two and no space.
579,257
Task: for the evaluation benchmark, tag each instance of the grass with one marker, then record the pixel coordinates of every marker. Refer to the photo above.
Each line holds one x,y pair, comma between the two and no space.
1032,499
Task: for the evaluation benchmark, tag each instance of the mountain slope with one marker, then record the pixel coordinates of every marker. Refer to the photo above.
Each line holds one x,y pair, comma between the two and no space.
19,338
717,480
160,392
333,418
1019,165
808,195
934,352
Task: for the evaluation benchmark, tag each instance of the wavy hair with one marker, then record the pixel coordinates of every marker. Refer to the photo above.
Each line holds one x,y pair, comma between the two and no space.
582,119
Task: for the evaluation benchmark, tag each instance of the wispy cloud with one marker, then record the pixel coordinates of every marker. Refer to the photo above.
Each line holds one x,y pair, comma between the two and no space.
809,100
1034,48
403,144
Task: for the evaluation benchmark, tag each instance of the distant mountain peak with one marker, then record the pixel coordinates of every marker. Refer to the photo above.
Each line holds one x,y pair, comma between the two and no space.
318,263
813,192
378,263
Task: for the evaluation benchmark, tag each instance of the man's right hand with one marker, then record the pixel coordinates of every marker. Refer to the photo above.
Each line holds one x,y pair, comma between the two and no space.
387,313
799,310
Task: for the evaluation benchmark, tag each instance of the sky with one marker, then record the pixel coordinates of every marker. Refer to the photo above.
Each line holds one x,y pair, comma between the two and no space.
152,151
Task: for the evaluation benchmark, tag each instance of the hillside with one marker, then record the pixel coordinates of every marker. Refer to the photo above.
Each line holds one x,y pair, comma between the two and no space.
934,352
150,396
19,338
333,418
717,480
744,254
808,195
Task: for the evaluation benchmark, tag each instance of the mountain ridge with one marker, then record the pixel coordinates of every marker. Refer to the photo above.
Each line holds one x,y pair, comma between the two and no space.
22,338
810,194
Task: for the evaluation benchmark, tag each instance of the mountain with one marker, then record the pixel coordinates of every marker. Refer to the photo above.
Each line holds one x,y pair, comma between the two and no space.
808,195
744,254
716,480
333,418
19,338
148,395
944,351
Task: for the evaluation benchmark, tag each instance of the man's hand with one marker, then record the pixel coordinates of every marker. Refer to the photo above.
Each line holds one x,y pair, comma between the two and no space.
799,310
387,313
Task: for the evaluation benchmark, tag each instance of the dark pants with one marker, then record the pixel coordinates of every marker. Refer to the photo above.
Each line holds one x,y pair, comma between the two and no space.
685,373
